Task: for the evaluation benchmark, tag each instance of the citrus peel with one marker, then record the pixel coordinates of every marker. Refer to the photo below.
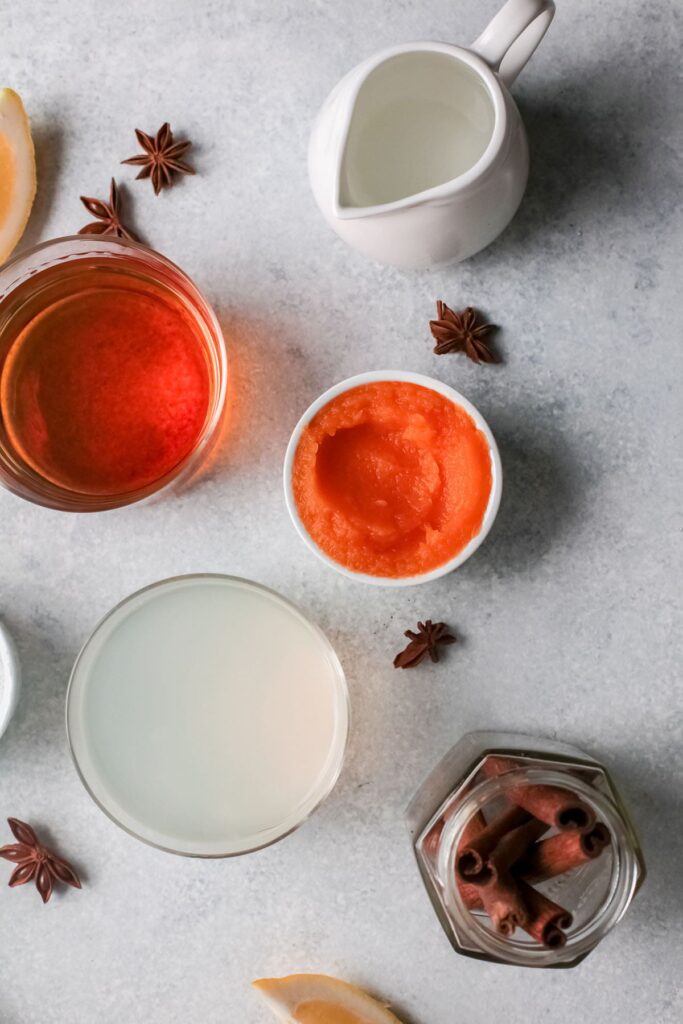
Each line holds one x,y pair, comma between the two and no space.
17,171
320,999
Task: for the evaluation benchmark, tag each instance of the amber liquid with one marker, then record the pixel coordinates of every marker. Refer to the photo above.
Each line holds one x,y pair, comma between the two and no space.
106,377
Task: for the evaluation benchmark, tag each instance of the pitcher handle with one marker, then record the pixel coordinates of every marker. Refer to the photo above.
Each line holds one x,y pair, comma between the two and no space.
509,40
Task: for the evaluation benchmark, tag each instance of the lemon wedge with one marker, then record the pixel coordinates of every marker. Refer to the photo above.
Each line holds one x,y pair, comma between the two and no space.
319,999
17,171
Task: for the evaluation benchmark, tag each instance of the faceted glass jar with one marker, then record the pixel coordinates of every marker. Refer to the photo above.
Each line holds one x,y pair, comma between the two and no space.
463,787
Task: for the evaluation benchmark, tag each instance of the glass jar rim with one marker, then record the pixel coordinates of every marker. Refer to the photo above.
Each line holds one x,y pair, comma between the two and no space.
95,785
25,265
620,887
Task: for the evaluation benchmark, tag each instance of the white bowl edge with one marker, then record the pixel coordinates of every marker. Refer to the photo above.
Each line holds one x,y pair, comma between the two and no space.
11,677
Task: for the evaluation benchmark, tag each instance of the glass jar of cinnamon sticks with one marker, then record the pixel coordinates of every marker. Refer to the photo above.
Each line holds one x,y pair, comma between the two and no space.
525,848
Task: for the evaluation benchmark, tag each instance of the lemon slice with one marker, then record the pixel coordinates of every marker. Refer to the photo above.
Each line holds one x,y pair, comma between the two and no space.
318,999
17,171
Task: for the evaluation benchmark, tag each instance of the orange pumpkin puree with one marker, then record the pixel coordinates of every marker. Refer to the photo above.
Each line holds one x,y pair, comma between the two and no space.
392,479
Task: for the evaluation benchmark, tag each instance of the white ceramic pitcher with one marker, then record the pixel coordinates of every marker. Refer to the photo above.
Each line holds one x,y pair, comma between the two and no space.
419,155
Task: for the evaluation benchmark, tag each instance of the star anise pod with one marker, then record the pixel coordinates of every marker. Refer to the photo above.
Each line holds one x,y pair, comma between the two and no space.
35,862
108,215
426,642
162,157
460,332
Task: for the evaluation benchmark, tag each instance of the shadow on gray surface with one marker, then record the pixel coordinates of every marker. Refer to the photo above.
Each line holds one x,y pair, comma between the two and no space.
49,144
657,813
589,161
544,489
402,1014
268,373
45,664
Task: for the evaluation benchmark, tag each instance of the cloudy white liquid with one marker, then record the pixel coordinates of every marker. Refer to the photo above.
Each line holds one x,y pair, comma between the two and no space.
207,715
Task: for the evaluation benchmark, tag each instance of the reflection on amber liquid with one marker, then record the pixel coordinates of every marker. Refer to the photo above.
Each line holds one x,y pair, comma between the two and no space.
107,377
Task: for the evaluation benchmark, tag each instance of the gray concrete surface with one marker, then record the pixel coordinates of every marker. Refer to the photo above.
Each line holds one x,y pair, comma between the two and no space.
568,617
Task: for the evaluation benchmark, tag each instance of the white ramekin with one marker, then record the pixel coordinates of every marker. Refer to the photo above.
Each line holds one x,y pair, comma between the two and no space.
9,678
443,389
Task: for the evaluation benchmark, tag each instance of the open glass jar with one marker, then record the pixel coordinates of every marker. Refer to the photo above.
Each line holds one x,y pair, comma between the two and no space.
549,901
113,374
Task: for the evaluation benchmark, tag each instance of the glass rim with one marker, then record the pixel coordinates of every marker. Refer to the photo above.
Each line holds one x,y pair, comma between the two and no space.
104,239
341,687
27,483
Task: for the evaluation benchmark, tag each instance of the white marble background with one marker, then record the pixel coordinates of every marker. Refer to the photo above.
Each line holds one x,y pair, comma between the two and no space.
568,617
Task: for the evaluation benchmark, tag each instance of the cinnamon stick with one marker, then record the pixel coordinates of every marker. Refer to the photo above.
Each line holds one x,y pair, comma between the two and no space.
500,899
472,855
474,826
507,837
504,902
563,852
469,895
513,845
504,898
542,919
430,845
503,911
546,921
553,804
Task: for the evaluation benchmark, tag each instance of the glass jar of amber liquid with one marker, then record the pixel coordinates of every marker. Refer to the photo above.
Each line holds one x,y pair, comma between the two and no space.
525,848
113,373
